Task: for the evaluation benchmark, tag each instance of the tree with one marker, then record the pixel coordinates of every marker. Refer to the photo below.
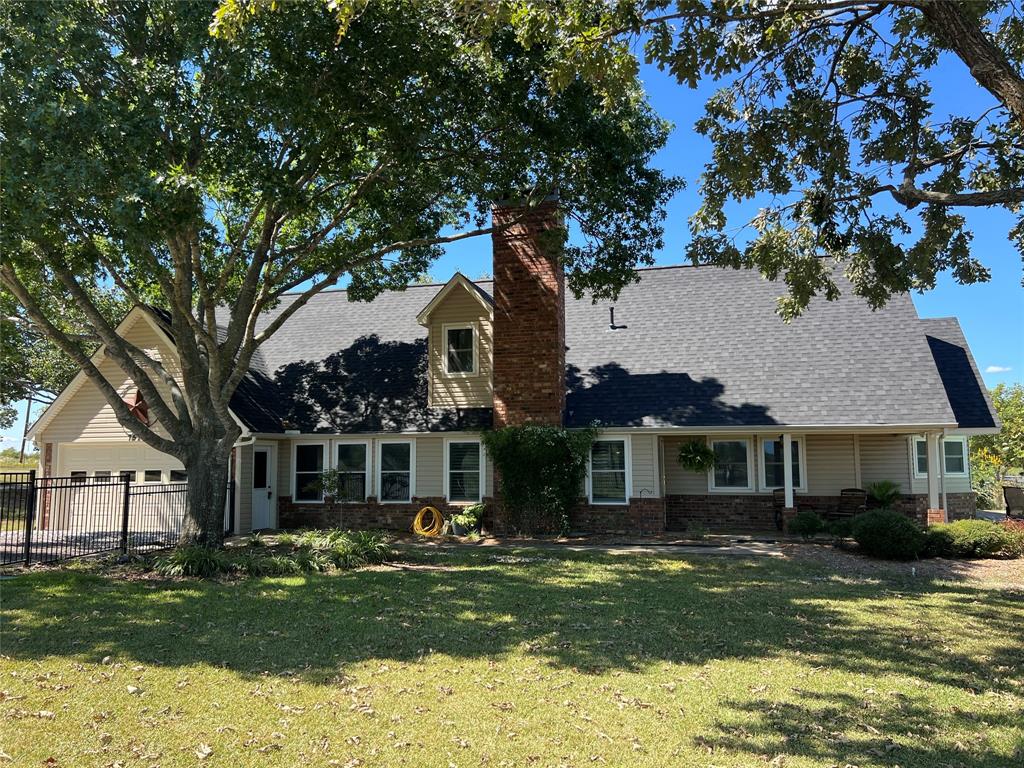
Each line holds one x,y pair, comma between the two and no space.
212,177
1005,449
826,116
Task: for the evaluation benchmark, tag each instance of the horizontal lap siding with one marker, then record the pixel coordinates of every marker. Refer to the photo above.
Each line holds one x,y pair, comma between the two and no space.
830,464
244,524
679,480
464,391
885,457
429,466
645,465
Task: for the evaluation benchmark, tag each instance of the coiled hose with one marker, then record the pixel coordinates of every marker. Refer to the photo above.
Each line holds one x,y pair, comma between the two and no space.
434,528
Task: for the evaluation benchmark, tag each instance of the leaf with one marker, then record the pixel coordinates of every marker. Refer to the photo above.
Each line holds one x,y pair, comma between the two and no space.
203,751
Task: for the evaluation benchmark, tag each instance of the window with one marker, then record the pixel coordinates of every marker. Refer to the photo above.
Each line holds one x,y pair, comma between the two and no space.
395,478
101,476
351,468
774,468
152,476
954,453
179,476
460,354
608,475
732,465
79,476
464,471
127,474
309,465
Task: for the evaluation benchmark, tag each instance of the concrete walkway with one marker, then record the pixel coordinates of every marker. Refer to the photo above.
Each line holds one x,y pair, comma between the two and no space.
720,546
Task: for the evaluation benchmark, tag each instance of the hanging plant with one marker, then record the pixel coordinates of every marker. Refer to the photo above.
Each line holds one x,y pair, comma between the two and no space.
696,456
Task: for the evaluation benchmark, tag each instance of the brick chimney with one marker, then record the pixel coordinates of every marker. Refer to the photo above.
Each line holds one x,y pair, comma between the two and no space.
529,317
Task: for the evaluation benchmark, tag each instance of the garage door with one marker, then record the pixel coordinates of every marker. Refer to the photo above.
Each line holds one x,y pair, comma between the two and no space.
142,463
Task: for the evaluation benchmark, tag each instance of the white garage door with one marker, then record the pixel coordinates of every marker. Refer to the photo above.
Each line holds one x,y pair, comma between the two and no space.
142,463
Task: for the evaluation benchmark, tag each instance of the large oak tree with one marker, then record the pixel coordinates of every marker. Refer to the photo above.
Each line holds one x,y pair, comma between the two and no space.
208,178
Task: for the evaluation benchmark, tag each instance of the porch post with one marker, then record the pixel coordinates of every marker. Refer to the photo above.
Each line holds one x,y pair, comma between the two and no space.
935,514
787,467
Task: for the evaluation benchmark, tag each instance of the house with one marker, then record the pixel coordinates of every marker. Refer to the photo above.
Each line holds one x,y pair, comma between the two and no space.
394,393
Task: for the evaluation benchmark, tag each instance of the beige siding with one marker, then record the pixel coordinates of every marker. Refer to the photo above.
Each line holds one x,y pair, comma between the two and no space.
645,465
86,416
244,510
954,484
450,391
284,468
429,467
679,481
830,464
885,457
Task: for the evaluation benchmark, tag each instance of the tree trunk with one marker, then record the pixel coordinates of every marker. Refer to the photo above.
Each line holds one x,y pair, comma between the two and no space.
207,467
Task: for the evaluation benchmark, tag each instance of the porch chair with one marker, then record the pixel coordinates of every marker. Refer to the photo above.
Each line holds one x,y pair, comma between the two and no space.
852,501
1014,498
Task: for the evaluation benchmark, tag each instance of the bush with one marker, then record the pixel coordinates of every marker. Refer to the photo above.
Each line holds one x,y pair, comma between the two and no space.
806,524
470,517
889,535
1014,538
971,539
840,529
884,493
194,560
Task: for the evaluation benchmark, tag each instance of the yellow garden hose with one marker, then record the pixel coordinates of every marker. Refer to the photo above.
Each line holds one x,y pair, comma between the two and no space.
434,528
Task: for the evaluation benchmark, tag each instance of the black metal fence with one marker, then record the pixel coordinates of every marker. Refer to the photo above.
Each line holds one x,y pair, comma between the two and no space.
43,519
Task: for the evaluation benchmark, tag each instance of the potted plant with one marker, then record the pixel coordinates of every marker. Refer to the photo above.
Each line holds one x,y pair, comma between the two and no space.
467,520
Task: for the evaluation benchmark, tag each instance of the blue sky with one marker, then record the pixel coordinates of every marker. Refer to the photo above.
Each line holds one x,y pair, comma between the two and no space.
991,314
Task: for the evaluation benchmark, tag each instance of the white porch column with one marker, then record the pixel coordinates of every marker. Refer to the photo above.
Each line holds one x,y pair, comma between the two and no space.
787,467
932,442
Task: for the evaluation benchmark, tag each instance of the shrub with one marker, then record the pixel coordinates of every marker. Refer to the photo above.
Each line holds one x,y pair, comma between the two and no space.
884,493
194,560
971,538
256,540
1014,538
286,539
374,546
806,524
937,542
889,535
470,517
840,529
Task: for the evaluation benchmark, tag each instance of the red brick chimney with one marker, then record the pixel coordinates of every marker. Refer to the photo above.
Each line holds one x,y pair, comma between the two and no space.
529,317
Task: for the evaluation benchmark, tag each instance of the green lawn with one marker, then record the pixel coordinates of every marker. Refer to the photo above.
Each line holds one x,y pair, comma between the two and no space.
478,659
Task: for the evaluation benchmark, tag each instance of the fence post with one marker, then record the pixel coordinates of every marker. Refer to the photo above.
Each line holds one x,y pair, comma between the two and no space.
30,515
125,507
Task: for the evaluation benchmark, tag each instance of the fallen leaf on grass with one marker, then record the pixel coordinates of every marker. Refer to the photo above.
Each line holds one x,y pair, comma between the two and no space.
203,751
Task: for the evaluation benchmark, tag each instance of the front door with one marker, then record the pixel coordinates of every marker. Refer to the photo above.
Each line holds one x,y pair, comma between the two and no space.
262,487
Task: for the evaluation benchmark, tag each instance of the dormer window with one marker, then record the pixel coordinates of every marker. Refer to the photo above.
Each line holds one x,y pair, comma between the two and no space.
460,350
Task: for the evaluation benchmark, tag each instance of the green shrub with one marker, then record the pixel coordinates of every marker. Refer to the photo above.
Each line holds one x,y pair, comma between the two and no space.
937,542
889,535
286,539
884,493
1014,530
194,560
806,524
311,561
256,540
470,517
970,539
374,546
841,528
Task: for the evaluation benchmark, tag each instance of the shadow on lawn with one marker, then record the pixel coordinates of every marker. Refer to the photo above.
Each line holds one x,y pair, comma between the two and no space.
566,615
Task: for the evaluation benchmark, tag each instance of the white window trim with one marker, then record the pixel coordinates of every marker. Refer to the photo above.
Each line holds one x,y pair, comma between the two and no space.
152,482
323,463
918,475
412,471
368,472
628,447
445,327
751,466
447,469
762,465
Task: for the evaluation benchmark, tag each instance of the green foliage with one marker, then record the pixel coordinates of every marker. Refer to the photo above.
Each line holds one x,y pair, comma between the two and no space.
885,493
806,523
1014,544
841,528
696,456
470,517
542,471
194,560
993,456
889,535
973,539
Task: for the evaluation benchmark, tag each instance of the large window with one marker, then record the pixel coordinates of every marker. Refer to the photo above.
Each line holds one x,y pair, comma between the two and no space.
395,474
464,470
351,468
309,465
774,471
954,454
732,465
460,354
609,478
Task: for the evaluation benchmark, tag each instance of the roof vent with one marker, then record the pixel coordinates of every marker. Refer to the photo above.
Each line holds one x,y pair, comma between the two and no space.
611,321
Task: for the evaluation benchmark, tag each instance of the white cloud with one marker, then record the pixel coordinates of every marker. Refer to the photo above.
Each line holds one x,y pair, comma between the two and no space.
998,369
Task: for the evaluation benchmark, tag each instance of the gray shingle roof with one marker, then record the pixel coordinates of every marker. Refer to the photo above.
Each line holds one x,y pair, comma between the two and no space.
968,398
702,347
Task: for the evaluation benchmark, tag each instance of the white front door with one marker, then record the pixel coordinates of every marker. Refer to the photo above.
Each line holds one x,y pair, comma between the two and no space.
262,487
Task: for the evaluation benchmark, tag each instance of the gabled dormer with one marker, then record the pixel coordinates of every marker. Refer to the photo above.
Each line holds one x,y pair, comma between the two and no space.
459,321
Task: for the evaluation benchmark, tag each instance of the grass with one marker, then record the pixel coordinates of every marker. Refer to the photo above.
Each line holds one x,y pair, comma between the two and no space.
491,659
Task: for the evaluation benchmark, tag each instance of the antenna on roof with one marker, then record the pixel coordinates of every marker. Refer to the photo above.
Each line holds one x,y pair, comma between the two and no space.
611,321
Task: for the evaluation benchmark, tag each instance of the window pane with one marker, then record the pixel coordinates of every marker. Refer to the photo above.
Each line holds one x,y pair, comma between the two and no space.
179,476
464,457
394,486
464,486
351,458
954,452
922,457
774,466
127,474
152,476
101,476
608,486
78,477
309,458
608,454
259,469
352,486
730,464
307,486
460,350
394,457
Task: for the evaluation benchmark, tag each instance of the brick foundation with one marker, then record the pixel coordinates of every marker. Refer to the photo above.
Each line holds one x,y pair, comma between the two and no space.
370,515
639,517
